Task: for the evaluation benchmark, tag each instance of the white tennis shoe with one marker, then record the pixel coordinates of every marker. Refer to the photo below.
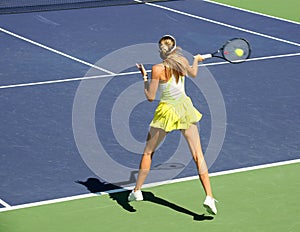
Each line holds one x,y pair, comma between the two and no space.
210,206
135,196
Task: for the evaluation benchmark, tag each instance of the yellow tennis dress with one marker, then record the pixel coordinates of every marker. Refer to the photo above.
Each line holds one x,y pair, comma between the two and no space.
175,110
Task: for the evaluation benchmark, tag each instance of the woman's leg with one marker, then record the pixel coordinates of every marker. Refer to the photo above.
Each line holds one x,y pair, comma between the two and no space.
193,139
155,136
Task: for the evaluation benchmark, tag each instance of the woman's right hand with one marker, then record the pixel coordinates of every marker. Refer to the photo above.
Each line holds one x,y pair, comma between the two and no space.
199,58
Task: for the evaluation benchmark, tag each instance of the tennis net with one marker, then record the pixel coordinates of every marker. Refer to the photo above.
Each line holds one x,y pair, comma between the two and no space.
22,6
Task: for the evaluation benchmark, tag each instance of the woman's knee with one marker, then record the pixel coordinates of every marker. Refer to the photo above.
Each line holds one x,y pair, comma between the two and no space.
200,163
198,157
148,153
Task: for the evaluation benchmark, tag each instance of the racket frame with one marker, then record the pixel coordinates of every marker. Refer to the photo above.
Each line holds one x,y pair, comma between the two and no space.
221,51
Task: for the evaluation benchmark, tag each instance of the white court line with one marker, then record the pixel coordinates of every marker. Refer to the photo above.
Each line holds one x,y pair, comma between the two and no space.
131,73
222,173
53,50
83,196
252,12
150,4
65,80
6,205
219,23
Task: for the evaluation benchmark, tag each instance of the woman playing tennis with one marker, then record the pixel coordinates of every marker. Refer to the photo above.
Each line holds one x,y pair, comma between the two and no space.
175,111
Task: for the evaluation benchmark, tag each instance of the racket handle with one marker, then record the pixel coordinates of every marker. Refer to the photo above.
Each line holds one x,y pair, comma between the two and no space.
206,56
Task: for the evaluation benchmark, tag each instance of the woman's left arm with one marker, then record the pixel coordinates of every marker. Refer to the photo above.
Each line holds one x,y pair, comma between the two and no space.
150,87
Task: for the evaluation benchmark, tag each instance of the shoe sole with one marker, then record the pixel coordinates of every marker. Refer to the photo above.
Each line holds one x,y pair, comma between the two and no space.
135,199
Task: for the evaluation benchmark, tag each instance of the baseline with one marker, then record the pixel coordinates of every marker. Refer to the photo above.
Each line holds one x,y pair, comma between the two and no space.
239,170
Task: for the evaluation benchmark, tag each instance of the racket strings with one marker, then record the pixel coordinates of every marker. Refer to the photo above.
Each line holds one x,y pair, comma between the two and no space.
237,50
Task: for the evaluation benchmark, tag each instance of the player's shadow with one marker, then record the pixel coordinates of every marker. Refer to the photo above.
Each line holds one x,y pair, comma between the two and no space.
149,196
121,197
96,186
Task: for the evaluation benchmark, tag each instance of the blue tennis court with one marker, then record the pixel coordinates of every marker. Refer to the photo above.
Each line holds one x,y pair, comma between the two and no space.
73,107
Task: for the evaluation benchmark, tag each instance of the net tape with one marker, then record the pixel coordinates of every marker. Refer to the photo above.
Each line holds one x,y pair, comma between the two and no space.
23,6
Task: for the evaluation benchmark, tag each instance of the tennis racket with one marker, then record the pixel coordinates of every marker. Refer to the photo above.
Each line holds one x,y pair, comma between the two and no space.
235,51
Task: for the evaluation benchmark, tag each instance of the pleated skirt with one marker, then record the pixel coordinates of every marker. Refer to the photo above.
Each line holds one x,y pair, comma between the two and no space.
176,115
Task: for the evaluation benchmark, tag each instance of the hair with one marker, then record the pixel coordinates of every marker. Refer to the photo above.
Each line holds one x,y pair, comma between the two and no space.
172,57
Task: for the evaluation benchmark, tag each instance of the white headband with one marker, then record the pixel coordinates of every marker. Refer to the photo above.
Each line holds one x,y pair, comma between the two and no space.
169,37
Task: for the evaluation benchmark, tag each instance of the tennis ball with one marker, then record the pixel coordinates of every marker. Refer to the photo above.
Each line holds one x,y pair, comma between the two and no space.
239,52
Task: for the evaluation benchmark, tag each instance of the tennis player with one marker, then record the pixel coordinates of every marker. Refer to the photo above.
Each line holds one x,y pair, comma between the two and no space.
175,111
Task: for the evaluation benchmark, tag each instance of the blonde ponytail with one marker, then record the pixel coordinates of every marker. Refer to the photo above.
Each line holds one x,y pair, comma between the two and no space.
172,57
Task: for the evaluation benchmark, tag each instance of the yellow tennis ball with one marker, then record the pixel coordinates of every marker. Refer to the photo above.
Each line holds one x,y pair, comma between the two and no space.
239,52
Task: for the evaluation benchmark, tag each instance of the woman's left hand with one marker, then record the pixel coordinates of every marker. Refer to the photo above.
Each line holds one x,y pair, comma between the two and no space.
142,69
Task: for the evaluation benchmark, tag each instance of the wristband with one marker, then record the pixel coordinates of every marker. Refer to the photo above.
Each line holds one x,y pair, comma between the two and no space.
145,78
